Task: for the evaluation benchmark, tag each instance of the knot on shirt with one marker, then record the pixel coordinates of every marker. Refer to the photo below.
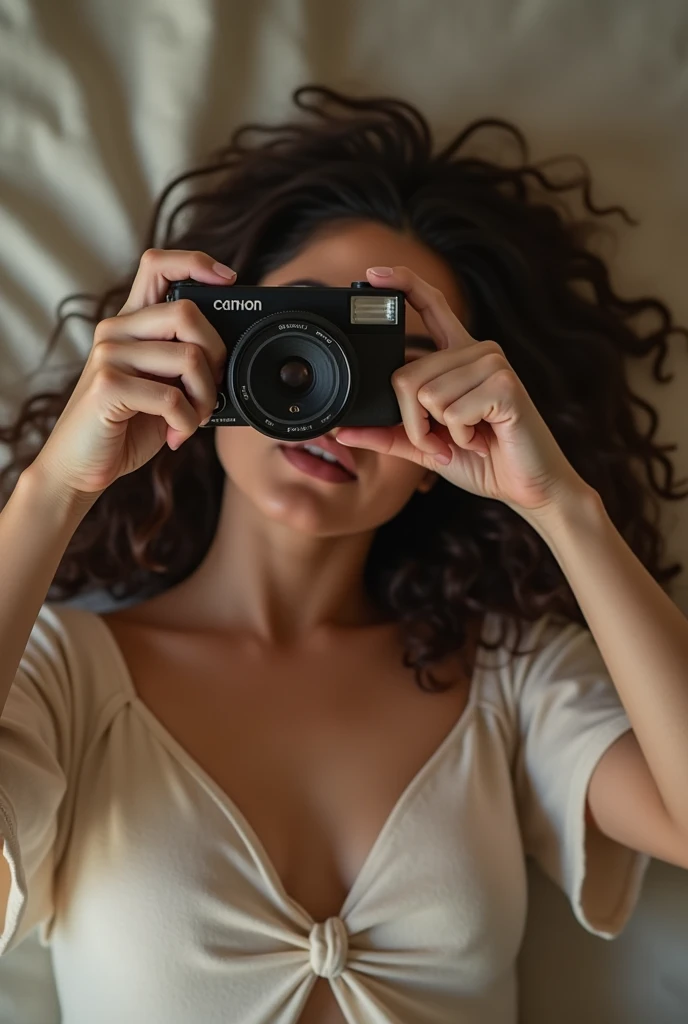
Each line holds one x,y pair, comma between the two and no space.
329,947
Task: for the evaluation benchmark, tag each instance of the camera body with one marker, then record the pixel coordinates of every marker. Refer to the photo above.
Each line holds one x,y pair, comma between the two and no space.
303,360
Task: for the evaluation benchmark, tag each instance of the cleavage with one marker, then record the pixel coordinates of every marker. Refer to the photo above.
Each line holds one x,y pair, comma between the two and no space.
314,754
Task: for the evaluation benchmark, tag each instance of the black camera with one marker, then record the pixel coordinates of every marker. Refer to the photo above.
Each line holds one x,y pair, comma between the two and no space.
303,360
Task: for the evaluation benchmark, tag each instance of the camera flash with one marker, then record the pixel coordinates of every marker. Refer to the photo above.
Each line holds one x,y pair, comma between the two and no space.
374,309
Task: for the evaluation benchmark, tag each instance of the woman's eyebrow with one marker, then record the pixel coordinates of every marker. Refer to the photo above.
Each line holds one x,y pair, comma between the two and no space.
305,281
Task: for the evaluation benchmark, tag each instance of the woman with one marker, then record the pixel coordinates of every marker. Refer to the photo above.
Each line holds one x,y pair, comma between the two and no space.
280,784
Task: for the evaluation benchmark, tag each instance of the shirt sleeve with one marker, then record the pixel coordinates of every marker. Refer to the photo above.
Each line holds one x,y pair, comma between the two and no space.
568,714
36,751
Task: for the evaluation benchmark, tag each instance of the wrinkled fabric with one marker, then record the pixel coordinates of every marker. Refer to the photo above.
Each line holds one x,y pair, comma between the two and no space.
161,905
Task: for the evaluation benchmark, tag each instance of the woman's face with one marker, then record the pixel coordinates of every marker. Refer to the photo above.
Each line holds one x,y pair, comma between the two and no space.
284,482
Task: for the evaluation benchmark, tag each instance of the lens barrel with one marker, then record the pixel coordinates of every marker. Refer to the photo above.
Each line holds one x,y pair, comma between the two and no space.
292,375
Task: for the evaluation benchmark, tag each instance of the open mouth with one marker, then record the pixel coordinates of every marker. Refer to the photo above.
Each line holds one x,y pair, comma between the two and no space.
319,462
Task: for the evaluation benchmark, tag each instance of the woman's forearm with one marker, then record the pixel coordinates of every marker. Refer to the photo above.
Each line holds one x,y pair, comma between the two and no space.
36,526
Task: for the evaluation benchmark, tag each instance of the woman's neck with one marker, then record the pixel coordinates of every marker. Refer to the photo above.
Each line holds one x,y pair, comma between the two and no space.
282,585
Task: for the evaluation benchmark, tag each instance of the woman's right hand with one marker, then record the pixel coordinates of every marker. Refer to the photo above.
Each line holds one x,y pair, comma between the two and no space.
125,404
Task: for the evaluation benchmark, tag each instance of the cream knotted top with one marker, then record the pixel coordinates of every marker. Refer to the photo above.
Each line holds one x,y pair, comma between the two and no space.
162,907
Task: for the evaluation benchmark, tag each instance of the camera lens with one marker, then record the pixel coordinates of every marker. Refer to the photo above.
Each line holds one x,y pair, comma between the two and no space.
291,375
297,375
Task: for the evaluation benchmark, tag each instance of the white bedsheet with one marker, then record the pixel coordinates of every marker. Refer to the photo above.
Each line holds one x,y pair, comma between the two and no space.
102,102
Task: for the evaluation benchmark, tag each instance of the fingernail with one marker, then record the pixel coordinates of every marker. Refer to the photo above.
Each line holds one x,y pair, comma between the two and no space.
173,445
483,455
444,459
381,271
224,271
203,422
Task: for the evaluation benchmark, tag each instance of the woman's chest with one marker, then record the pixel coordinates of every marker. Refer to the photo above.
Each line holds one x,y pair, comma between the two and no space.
163,880
249,800
316,752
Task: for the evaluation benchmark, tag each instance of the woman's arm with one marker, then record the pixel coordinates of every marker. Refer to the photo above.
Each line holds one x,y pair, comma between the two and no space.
497,445
36,526
638,793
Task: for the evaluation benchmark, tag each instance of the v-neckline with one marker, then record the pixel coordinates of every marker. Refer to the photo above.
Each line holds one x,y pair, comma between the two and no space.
238,818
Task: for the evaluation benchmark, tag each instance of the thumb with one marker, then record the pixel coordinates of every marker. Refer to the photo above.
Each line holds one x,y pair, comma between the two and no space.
385,440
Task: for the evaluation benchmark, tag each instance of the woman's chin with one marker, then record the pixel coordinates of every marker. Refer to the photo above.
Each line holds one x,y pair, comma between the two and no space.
302,510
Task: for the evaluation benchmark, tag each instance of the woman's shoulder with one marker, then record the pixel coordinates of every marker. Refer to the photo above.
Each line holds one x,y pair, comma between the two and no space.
520,655
70,647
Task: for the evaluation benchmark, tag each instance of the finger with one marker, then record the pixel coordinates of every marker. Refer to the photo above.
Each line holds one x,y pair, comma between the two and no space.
125,396
492,401
415,418
445,392
444,326
158,267
431,364
390,441
182,321
164,359
431,379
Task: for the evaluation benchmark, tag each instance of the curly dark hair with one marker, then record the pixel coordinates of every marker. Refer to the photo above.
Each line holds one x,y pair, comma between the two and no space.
531,283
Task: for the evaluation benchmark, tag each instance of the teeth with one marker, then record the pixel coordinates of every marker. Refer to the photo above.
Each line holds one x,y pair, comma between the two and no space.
314,450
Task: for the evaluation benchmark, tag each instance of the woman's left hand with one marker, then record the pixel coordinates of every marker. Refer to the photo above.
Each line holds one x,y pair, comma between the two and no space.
478,404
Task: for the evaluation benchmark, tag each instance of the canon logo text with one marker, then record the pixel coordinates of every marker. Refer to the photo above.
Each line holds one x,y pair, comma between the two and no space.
230,304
